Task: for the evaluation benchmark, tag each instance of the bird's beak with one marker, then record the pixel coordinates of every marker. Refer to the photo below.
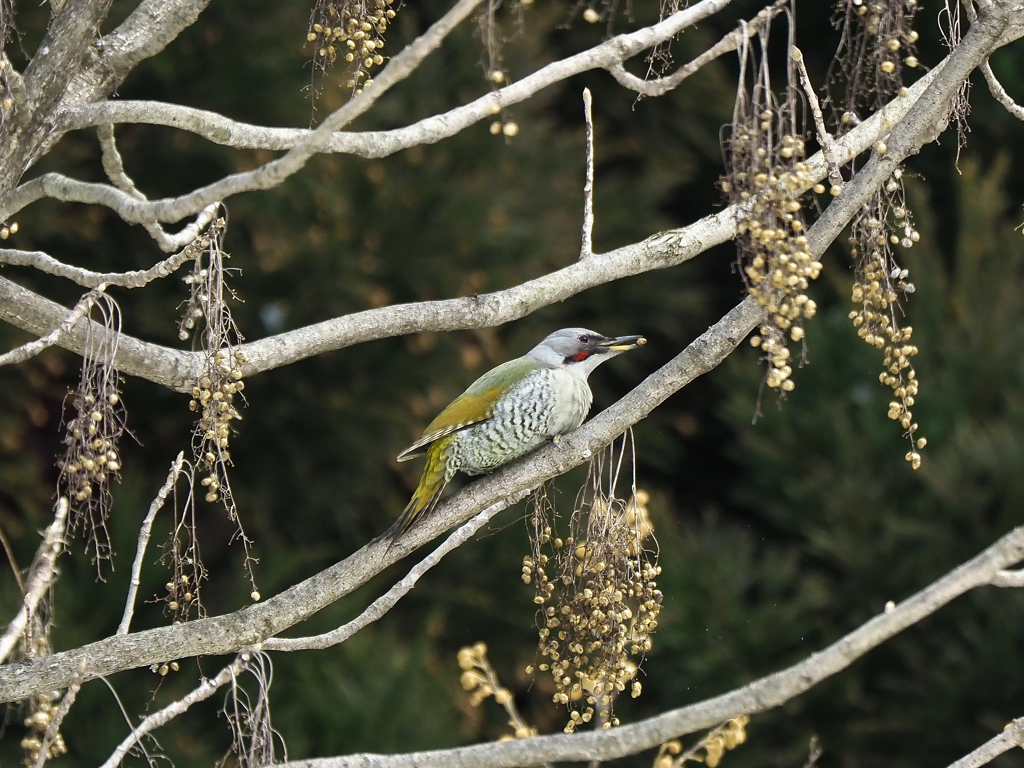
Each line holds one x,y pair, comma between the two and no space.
622,343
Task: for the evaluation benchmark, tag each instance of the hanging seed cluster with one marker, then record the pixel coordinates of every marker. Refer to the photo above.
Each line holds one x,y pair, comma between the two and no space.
480,680
42,709
877,43
213,396
493,37
767,177
353,31
182,594
878,283
598,608
714,745
247,711
92,459
216,397
181,554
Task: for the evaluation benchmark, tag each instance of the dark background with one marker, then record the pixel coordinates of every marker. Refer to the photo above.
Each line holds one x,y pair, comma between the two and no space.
776,539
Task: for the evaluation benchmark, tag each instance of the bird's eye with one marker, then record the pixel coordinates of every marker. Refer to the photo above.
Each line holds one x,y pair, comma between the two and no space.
584,339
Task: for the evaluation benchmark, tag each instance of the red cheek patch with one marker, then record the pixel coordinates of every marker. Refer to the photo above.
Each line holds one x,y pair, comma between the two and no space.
579,357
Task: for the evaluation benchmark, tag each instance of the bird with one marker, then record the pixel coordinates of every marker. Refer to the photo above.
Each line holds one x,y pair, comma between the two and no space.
509,411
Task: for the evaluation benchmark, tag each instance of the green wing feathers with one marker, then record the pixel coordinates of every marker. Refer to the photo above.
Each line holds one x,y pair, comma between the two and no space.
435,477
465,411
472,406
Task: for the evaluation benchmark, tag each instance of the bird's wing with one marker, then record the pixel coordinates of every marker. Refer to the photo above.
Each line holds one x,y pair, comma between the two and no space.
465,411
472,406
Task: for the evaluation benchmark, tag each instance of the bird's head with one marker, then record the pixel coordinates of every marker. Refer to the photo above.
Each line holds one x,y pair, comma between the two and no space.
580,350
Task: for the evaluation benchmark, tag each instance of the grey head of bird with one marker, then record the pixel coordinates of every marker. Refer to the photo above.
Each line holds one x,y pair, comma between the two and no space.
581,350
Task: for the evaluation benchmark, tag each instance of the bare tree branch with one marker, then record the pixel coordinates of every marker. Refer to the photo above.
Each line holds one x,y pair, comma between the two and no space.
146,32
16,82
113,166
389,599
924,121
140,550
374,144
39,579
1012,736
178,369
53,727
205,690
249,626
727,44
759,696
33,313
999,93
46,78
266,176
587,247
824,137
1010,579
88,279
33,348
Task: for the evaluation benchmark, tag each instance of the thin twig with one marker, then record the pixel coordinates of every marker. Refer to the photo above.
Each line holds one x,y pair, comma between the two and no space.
999,93
12,561
144,531
814,752
374,144
33,348
266,176
758,696
727,44
387,601
124,714
1012,736
178,369
587,248
257,623
39,579
113,166
53,727
426,131
205,690
825,139
88,279
1008,579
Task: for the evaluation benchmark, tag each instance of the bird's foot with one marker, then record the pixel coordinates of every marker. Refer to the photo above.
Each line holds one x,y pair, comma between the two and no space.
557,440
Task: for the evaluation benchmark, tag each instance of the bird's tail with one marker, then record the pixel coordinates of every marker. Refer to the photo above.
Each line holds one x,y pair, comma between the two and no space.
433,481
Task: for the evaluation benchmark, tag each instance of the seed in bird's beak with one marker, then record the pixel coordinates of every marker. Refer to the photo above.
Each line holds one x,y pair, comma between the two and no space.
624,343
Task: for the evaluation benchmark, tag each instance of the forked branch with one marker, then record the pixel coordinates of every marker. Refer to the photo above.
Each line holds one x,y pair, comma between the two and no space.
374,144
144,533
178,369
727,44
759,696
389,599
999,93
33,348
39,580
249,626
